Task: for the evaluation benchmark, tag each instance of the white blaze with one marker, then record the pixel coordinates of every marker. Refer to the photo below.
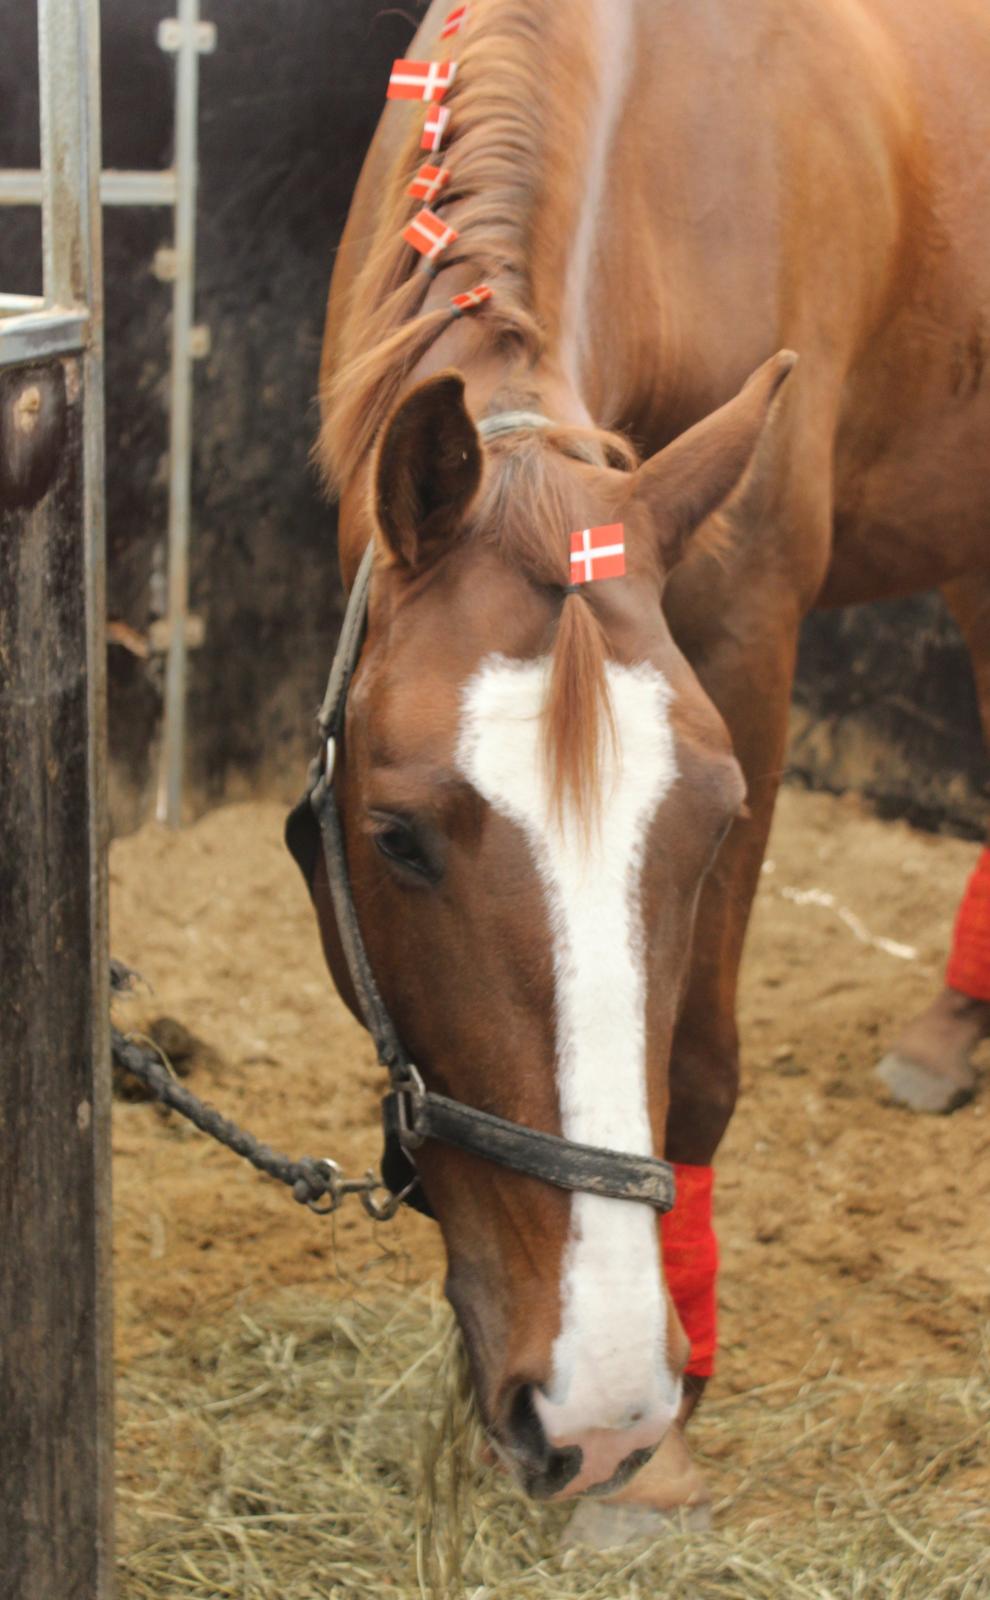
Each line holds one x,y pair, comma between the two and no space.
609,1368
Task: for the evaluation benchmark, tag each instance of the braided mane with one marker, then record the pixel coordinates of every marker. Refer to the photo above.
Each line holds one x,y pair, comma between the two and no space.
499,133
498,106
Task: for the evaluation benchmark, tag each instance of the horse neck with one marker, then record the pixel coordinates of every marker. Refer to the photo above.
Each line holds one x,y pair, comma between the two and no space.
579,172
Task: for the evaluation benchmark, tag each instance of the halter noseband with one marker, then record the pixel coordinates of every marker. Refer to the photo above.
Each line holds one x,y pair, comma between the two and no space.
411,1112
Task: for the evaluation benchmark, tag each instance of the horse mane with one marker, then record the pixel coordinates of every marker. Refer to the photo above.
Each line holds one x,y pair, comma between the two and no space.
498,128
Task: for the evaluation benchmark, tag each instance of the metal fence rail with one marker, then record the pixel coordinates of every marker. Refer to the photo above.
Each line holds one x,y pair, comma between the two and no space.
22,186
34,332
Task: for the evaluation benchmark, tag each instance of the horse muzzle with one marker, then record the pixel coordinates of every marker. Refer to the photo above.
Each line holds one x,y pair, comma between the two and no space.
556,1461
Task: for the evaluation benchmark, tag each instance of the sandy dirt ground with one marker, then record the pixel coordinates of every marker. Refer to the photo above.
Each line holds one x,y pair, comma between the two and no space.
854,1235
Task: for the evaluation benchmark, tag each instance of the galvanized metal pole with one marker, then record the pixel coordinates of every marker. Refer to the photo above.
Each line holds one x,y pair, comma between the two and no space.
187,38
180,433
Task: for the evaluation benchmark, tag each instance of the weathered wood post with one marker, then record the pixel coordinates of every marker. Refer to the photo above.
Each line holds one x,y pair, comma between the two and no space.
55,1395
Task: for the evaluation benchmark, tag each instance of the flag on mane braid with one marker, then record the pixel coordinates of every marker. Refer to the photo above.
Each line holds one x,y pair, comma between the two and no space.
435,128
421,80
471,298
428,234
455,22
428,182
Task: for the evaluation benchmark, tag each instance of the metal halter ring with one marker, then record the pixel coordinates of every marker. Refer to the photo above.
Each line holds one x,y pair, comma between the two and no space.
339,1187
410,1093
385,1210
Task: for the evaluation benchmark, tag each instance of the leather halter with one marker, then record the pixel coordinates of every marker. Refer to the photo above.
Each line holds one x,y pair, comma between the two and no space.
411,1112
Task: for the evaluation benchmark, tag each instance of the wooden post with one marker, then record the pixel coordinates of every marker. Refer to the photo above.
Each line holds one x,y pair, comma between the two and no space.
55,1383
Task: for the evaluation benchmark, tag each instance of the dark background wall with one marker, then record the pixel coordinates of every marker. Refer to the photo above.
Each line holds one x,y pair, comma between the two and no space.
288,104
885,703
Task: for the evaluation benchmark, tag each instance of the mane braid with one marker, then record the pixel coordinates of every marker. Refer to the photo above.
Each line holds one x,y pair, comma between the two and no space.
497,125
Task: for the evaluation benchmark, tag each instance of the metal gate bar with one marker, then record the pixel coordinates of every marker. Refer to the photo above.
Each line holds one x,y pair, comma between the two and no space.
21,186
187,37
189,40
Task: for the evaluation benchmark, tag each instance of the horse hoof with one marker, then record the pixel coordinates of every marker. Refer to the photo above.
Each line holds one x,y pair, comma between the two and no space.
598,1526
918,1087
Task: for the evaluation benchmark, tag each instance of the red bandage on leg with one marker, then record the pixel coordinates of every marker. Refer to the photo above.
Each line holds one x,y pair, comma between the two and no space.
690,1264
969,964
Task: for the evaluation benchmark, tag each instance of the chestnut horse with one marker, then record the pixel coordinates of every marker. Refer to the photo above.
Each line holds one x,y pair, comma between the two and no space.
556,802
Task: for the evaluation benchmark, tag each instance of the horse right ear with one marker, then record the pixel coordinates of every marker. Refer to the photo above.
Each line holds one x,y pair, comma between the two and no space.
688,481
428,471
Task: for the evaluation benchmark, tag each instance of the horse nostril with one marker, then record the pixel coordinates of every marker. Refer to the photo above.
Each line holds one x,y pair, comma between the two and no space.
525,1430
545,1471
561,1469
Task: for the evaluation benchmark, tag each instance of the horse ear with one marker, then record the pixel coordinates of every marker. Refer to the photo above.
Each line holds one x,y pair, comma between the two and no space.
688,480
428,471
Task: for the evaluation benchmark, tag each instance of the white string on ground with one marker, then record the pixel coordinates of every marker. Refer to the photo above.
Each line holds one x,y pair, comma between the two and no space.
857,927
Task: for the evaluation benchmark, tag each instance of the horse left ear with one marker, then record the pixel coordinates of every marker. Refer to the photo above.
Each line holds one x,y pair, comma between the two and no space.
687,481
428,471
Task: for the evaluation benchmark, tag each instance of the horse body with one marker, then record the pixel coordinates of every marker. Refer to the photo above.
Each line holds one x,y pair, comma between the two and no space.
661,195
717,182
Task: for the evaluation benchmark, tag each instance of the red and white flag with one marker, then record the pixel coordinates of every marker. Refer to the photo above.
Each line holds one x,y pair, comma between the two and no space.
454,22
437,119
428,234
421,80
598,553
471,298
428,182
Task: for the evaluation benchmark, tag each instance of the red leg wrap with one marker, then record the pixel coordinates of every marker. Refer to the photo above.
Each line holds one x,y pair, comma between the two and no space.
969,964
690,1264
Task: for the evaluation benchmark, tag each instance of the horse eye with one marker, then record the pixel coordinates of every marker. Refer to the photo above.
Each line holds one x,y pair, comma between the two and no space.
397,841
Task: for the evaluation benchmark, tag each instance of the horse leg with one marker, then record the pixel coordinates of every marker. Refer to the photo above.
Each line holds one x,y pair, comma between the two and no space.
928,1067
753,696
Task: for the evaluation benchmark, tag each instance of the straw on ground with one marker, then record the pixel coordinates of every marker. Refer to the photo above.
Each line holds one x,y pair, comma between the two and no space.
317,1450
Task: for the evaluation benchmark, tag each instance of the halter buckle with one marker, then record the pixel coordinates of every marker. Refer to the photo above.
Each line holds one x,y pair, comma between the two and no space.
410,1095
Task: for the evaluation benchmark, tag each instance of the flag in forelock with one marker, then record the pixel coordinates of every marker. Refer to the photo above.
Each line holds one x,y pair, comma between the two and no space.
598,553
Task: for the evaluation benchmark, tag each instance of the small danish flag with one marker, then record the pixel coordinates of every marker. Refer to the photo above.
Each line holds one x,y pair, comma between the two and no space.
471,298
428,182
428,234
421,80
454,22
437,119
598,553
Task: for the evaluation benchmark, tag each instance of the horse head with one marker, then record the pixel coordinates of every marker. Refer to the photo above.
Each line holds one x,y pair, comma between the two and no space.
533,786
